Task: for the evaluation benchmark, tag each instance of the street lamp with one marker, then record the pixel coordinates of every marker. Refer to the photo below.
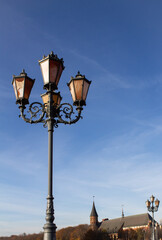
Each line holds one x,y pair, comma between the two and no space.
153,206
51,113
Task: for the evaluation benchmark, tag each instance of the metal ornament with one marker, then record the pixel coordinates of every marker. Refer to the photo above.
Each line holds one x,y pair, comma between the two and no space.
50,115
152,208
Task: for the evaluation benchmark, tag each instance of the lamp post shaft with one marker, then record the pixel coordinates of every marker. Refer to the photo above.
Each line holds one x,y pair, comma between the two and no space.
50,227
153,227
50,158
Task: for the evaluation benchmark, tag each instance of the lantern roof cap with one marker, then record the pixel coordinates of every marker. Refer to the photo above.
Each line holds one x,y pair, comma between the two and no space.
22,74
93,212
53,56
79,76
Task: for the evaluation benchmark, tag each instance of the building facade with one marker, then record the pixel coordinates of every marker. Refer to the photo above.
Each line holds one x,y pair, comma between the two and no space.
115,226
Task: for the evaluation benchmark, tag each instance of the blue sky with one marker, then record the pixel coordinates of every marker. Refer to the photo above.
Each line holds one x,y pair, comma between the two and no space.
115,151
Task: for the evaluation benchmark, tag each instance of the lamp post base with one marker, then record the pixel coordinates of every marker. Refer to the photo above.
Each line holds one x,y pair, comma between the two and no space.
49,231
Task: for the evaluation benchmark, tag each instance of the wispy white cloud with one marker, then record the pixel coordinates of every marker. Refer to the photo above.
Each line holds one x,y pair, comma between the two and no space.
6,91
114,80
104,74
21,163
21,210
10,228
124,164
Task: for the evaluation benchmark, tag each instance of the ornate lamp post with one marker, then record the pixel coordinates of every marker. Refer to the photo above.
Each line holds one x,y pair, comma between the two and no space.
153,206
51,113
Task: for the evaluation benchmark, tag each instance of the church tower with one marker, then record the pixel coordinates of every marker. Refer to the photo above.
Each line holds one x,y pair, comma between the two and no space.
94,218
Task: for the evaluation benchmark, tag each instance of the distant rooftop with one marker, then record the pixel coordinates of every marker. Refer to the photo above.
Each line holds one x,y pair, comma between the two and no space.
114,225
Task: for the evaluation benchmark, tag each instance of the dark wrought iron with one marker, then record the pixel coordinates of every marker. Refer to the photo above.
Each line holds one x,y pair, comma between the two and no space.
50,114
152,206
66,112
36,111
39,113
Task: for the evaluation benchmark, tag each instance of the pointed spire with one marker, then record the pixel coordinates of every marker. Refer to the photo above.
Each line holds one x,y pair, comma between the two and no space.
122,211
93,212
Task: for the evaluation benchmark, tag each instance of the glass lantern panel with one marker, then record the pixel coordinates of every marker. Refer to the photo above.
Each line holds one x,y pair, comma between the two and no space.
20,87
55,96
28,87
78,85
15,90
156,203
45,98
59,73
53,71
148,203
59,100
45,70
85,90
72,90
152,198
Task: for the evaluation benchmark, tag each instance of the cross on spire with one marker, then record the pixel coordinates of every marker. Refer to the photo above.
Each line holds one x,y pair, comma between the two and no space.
122,211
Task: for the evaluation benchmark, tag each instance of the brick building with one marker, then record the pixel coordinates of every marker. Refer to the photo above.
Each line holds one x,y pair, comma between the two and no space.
114,226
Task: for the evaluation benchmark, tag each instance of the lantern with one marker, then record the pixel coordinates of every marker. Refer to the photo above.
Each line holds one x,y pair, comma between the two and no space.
55,97
157,202
152,198
22,85
79,87
51,67
148,203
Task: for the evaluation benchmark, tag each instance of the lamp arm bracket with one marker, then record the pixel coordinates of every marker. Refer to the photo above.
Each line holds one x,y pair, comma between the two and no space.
149,209
36,113
66,112
155,209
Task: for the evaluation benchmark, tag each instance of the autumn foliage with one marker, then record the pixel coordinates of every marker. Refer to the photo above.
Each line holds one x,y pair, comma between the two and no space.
69,233
82,232
24,236
72,233
96,235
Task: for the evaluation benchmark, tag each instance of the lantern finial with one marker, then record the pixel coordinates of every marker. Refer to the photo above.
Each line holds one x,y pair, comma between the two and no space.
78,74
23,72
52,54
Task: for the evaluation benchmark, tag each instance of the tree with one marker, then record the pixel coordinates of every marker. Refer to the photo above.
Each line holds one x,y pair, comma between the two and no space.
72,233
148,234
64,233
96,235
79,232
23,236
131,234
140,234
